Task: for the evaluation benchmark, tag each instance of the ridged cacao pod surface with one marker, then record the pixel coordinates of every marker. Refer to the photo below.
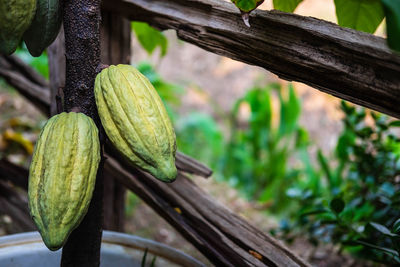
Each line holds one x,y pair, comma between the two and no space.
44,27
136,121
15,18
62,175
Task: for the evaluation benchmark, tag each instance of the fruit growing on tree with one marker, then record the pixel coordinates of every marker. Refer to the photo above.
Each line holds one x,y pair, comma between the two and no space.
44,27
15,18
135,120
62,175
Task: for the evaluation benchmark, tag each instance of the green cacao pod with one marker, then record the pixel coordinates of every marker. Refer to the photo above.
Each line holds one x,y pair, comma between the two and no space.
15,18
136,121
62,175
44,27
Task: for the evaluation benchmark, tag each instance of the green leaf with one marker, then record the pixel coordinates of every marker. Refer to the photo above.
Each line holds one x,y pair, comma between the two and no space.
337,205
361,15
383,229
383,249
143,263
392,12
396,226
394,124
150,38
286,5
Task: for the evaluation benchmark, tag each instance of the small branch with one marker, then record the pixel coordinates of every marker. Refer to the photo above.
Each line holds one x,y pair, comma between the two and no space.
38,95
190,165
28,72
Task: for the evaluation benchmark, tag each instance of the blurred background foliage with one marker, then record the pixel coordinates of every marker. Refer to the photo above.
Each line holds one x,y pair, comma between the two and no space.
349,198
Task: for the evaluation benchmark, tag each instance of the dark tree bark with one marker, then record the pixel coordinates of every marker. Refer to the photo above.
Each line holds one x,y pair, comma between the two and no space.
82,46
115,39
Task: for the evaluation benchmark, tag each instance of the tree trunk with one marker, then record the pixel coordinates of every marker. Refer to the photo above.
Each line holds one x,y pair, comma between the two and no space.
82,53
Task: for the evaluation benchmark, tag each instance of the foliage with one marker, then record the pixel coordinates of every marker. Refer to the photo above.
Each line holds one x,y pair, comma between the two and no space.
247,5
392,11
360,15
199,135
144,259
286,5
257,156
357,201
150,38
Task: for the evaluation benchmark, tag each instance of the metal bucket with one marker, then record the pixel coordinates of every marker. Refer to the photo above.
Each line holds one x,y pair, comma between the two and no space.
117,250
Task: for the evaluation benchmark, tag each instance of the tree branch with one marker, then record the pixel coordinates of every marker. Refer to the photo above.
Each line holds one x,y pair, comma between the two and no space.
348,64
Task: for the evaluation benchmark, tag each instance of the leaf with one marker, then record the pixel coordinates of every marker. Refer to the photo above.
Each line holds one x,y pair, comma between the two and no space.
386,250
325,167
286,5
392,12
337,205
394,123
290,112
383,229
314,212
361,15
150,38
143,263
153,262
396,226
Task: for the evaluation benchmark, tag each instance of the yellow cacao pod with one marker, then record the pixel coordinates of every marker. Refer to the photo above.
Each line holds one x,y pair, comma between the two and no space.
62,175
135,120
15,18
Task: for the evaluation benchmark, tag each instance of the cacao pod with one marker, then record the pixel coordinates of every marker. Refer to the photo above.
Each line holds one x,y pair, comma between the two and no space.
135,120
44,27
15,18
62,175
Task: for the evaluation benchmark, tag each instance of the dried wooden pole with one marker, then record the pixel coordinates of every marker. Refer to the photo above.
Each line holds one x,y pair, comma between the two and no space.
82,52
348,64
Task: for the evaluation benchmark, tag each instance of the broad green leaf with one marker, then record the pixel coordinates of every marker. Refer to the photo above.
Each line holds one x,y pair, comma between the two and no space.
394,124
337,205
396,226
386,250
361,15
150,38
383,229
392,12
286,5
